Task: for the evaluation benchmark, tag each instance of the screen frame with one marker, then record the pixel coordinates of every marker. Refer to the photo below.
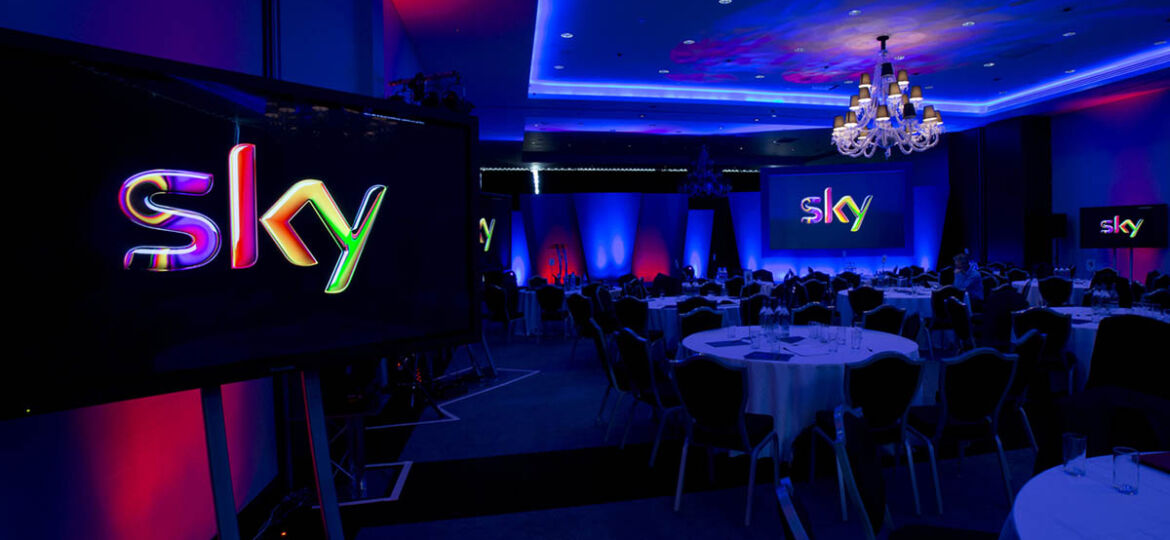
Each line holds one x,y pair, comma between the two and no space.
904,167
1084,224
16,42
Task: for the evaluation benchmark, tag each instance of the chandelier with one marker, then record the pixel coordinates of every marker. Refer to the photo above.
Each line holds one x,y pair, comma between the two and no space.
703,181
882,115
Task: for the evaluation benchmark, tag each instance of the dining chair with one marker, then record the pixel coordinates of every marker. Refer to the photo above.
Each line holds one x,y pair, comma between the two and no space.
536,282
687,305
749,308
1124,292
733,286
939,321
815,289
581,310
853,278
1057,328
499,311
552,307
618,380
711,288
751,289
1017,274
714,399
911,325
946,276
700,320
885,318
651,384
1055,291
1130,352
862,299
1103,277
960,315
763,275
634,314
1158,297
812,312
997,316
1027,348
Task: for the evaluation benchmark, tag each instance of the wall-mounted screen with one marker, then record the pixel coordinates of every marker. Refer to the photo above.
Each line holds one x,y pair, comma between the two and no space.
834,208
1124,226
192,226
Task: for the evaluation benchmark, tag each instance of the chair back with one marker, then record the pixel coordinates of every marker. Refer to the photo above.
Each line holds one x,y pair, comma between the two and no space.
816,290
1130,352
710,288
493,277
852,277
1159,297
839,284
626,278
960,316
886,319
509,279
604,300
910,327
974,384
1055,326
763,275
751,289
1151,277
946,276
997,315
714,397
812,312
862,299
635,355
687,305
496,301
581,310
551,299
1055,291
749,308
1103,277
733,286
590,291
1017,274
633,313
635,289
1124,292
536,282
700,320
1160,282
883,387
939,319
614,370
1027,350
664,285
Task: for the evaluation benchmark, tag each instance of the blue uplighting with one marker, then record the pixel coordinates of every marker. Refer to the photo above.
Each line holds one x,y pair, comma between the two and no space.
697,246
608,223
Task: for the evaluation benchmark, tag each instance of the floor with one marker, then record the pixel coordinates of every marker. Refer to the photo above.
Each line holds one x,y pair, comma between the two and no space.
526,458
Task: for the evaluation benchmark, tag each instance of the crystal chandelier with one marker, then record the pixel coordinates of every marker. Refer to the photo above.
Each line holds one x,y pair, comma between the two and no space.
703,181
881,115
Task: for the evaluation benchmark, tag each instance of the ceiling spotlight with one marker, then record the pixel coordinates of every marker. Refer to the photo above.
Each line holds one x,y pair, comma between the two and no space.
799,49
641,116
725,2
688,42
930,87
760,76
854,12
847,82
1163,42
1070,71
567,35
969,24
664,71
989,64
900,57
1069,34
558,66
756,119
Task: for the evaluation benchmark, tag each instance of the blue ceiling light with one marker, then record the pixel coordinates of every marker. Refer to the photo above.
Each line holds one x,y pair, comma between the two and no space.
567,35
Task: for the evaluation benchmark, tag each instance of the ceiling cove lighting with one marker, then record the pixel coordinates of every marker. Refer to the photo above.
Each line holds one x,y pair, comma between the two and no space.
882,115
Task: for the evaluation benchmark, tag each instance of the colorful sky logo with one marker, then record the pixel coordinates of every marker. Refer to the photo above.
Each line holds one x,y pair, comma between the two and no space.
818,214
1118,226
136,199
485,233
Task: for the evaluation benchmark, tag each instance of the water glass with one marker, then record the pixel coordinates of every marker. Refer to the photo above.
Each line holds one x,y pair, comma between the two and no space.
1126,464
832,344
855,338
755,335
814,330
841,339
1074,454
826,334
731,331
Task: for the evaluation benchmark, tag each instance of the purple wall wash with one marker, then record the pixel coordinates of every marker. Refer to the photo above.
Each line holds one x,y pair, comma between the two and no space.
659,244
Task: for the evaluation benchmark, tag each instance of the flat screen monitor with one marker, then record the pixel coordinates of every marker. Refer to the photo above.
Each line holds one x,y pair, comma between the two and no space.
1136,226
834,208
191,226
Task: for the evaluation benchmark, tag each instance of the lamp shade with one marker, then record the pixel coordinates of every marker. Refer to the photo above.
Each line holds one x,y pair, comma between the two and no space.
908,111
883,112
865,80
850,119
894,90
929,114
864,95
853,103
915,93
838,122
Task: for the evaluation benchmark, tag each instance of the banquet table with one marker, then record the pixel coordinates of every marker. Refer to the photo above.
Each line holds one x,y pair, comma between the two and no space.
1055,505
793,389
530,307
663,315
1080,286
915,300
1083,335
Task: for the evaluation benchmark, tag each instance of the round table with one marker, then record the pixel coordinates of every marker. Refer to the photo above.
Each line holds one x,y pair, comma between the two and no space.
1080,286
530,307
663,315
792,391
911,300
1056,505
1084,335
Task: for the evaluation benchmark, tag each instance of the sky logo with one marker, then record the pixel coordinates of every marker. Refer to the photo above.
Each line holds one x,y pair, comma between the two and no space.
1117,226
485,233
136,199
825,214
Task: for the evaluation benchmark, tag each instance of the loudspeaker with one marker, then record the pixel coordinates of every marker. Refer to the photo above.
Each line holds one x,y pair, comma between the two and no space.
1058,225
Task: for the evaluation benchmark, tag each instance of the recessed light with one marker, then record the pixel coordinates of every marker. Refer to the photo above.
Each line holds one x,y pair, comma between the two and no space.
1069,34
1163,42
756,120
930,87
725,2
558,66
854,12
900,57
664,71
761,76
799,49
688,42
989,64
1070,71
969,24
567,35
720,127
641,116
847,82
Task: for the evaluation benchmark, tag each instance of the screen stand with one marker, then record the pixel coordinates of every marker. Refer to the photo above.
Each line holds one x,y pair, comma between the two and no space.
218,464
319,449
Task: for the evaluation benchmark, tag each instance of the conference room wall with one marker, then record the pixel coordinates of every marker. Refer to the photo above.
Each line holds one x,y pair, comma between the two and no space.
1116,153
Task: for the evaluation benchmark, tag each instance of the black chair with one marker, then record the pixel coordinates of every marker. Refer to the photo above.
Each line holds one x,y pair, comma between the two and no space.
1151,277
1130,353
493,277
1124,292
883,386
946,276
997,316
664,285
626,278
1160,282
852,277
1057,328
816,290
581,309
1139,290
924,279
634,314
939,321
886,319
812,312
1160,298
839,284
552,307
1055,291
590,291
960,315
911,325
499,311
1103,278
990,282
862,299
1017,274
687,305
615,373
714,397
700,320
711,288
817,275
763,275
749,308
651,383
733,286
689,272
751,289
973,388
635,289
1027,349
509,278
536,282
603,311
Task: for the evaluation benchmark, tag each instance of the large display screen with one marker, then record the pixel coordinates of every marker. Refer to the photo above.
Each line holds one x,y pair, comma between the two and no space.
834,208
192,226
1124,226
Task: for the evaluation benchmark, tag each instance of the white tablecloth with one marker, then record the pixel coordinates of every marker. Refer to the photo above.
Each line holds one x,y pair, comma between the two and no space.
664,316
1054,505
907,299
530,307
1034,298
812,380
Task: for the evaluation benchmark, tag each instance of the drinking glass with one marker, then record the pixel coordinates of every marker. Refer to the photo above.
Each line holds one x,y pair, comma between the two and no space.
826,334
841,335
814,330
1126,464
832,345
855,342
755,336
731,331
1074,454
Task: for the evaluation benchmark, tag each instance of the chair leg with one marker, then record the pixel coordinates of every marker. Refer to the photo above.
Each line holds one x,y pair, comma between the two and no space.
747,517
629,423
841,493
488,353
1071,376
1028,428
613,418
812,456
604,401
1007,477
682,471
934,473
776,460
658,438
913,477
930,342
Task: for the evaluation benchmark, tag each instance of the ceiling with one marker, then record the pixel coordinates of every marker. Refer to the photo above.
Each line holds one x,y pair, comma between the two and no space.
701,67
